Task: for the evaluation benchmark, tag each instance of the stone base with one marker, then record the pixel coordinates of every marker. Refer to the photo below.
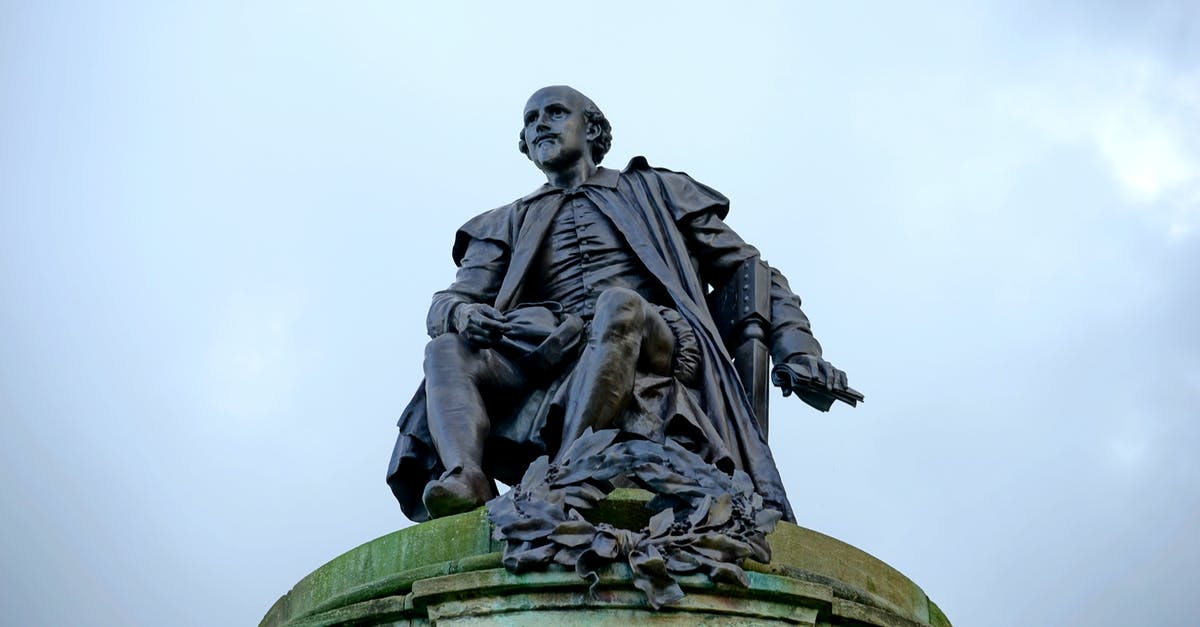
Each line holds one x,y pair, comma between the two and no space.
448,572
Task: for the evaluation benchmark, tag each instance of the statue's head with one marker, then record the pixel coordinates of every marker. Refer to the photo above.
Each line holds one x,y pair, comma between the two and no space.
561,126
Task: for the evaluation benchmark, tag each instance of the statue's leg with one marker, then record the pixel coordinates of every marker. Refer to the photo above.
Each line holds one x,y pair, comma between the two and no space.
627,334
457,378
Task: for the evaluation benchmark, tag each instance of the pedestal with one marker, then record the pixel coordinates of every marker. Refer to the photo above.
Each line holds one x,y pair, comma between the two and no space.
448,572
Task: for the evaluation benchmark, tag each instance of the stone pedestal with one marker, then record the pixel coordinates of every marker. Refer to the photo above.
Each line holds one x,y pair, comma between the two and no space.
448,572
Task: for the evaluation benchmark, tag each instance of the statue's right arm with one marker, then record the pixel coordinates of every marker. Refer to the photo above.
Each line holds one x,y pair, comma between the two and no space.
480,273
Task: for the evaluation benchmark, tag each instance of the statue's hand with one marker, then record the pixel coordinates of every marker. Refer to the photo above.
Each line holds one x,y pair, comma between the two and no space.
481,325
820,373
816,381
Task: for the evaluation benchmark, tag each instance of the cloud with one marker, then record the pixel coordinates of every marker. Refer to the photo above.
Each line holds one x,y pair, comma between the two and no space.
1136,113
1129,447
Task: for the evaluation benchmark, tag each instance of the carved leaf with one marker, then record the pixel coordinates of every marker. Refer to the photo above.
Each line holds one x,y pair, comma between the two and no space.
651,577
660,478
587,567
766,519
683,563
574,533
720,547
660,523
541,508
527,529
720,512
586,492
590,444
528,559
579,470
569,556
729,573
536,474
605,545
701,511
618,458
760,549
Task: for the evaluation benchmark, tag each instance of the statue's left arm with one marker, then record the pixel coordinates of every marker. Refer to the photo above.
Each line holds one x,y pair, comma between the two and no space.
721,251
699,212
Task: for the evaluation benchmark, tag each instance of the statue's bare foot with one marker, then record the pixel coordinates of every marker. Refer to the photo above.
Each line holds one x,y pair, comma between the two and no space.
457,492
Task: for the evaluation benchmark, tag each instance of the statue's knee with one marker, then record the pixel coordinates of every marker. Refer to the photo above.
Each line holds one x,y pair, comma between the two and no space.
445,350
619,311
619,301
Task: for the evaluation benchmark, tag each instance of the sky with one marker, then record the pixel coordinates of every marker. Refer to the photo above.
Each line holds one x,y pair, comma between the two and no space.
221,223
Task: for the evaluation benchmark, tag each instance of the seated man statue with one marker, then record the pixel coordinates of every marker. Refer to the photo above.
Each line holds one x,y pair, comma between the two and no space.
583,305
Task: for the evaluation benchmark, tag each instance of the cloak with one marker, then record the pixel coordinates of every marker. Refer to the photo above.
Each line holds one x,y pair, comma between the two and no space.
674,225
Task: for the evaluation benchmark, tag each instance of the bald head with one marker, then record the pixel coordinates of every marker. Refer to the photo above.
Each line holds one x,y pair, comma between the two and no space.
598,129
565,92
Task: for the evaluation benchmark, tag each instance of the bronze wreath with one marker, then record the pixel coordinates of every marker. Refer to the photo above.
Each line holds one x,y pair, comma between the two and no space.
706,521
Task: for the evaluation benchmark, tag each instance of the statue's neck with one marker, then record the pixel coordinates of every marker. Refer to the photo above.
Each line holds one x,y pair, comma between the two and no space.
573,176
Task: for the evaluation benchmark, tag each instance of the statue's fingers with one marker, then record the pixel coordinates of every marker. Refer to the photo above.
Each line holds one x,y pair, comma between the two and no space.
491,325
483,332
491,313
842,382
811,369
828,375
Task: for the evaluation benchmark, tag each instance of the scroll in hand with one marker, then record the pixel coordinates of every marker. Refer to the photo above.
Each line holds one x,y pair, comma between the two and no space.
815,381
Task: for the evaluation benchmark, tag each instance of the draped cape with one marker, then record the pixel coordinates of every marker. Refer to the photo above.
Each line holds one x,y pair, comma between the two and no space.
674,225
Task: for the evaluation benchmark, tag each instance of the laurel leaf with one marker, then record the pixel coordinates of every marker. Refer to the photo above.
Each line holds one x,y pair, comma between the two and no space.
574,533
701,511
720,512
729,573
660,523
588,445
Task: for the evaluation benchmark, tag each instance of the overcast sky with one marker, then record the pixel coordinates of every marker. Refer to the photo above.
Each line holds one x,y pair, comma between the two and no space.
220,225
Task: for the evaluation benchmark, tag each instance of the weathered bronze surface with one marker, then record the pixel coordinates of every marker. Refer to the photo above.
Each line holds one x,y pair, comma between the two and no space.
616,304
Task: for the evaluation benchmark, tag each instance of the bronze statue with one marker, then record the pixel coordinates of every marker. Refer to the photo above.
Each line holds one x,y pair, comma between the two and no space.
585,305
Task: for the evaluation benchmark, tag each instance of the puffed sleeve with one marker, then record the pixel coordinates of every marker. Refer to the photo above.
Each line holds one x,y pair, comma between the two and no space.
482,249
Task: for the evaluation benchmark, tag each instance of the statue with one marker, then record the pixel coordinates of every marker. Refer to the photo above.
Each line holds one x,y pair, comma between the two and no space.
583,308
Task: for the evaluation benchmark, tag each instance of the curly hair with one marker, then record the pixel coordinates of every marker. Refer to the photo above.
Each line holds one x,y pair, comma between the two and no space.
592,115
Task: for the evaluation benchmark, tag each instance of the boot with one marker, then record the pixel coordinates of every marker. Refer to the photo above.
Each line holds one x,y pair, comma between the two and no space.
457,490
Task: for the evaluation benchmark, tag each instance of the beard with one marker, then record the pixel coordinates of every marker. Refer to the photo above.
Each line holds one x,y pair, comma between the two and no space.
552,155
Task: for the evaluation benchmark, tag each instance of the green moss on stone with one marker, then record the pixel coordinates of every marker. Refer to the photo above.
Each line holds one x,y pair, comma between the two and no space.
624,508
936,617
388,565
369,581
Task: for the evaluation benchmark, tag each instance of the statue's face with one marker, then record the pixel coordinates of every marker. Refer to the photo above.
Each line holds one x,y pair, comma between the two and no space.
556,131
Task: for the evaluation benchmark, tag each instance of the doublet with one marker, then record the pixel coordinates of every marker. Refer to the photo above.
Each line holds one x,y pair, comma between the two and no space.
583,255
